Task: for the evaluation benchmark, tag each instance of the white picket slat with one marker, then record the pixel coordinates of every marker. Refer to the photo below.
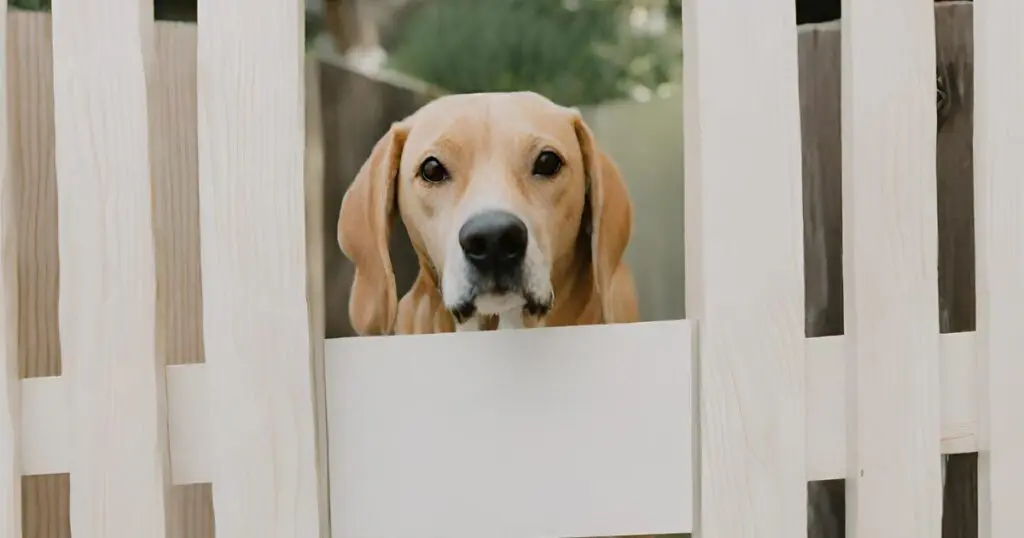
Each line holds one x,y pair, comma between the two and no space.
102,50
744,265
252,235
890,248
999,238
10,398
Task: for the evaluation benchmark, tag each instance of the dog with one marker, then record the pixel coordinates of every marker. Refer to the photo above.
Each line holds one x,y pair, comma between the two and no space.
517,217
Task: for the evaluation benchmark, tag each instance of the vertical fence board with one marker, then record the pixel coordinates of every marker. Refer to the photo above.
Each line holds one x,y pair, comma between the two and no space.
252,222
10,396
890,254
744,256
999,204
102,50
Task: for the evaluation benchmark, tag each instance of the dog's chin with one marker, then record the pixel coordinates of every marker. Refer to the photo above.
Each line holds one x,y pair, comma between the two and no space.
497,303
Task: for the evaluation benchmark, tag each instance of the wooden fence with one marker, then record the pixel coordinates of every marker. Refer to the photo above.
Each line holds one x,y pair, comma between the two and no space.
885,399
179,340
160,364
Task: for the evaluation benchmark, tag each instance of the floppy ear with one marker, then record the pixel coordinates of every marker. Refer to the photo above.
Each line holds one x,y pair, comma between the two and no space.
611,223
364,226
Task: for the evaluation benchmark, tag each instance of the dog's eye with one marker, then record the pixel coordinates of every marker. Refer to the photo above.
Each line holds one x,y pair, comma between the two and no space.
433,171
547,164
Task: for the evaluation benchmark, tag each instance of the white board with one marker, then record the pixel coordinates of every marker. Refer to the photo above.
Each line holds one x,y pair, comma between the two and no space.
999,233
890,269
744,264
253,236
582,431
118,460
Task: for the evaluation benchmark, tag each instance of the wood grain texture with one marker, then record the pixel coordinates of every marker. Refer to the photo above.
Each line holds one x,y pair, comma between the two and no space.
999,203
822,151
30,72
744,277
176,195
10,380
176,239
45,506
894,480
103,53
252,226
174,144
30,75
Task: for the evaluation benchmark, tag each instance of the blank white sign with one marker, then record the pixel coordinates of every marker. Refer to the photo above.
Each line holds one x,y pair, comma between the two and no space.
541,433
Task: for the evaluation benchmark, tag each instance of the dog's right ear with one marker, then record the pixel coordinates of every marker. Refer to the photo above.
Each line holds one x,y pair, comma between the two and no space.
364,226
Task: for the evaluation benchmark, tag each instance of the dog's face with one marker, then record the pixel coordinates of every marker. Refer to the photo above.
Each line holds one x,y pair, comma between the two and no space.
491,189
494,190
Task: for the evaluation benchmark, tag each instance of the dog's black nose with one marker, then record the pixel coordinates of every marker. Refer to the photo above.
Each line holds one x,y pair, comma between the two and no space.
494,241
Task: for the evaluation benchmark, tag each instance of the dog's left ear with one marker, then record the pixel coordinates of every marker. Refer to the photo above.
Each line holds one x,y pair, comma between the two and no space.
364,226
611,225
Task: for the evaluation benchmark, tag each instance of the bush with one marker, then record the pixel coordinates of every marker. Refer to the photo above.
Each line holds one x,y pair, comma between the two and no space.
575,53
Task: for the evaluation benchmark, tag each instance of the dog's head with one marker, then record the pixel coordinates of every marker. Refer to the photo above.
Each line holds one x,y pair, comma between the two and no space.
496,191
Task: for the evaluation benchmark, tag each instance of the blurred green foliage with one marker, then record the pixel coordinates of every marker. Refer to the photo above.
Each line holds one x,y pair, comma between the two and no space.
575,53
30,5
173,10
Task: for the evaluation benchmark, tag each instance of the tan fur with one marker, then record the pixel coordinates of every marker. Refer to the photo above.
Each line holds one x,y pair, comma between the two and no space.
488,141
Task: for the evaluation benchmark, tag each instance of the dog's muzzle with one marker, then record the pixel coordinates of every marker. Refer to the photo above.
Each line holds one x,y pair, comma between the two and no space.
494,246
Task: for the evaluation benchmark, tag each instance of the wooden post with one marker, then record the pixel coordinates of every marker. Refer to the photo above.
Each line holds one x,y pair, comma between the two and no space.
890,251
999,203
102,52
744,265
254,268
